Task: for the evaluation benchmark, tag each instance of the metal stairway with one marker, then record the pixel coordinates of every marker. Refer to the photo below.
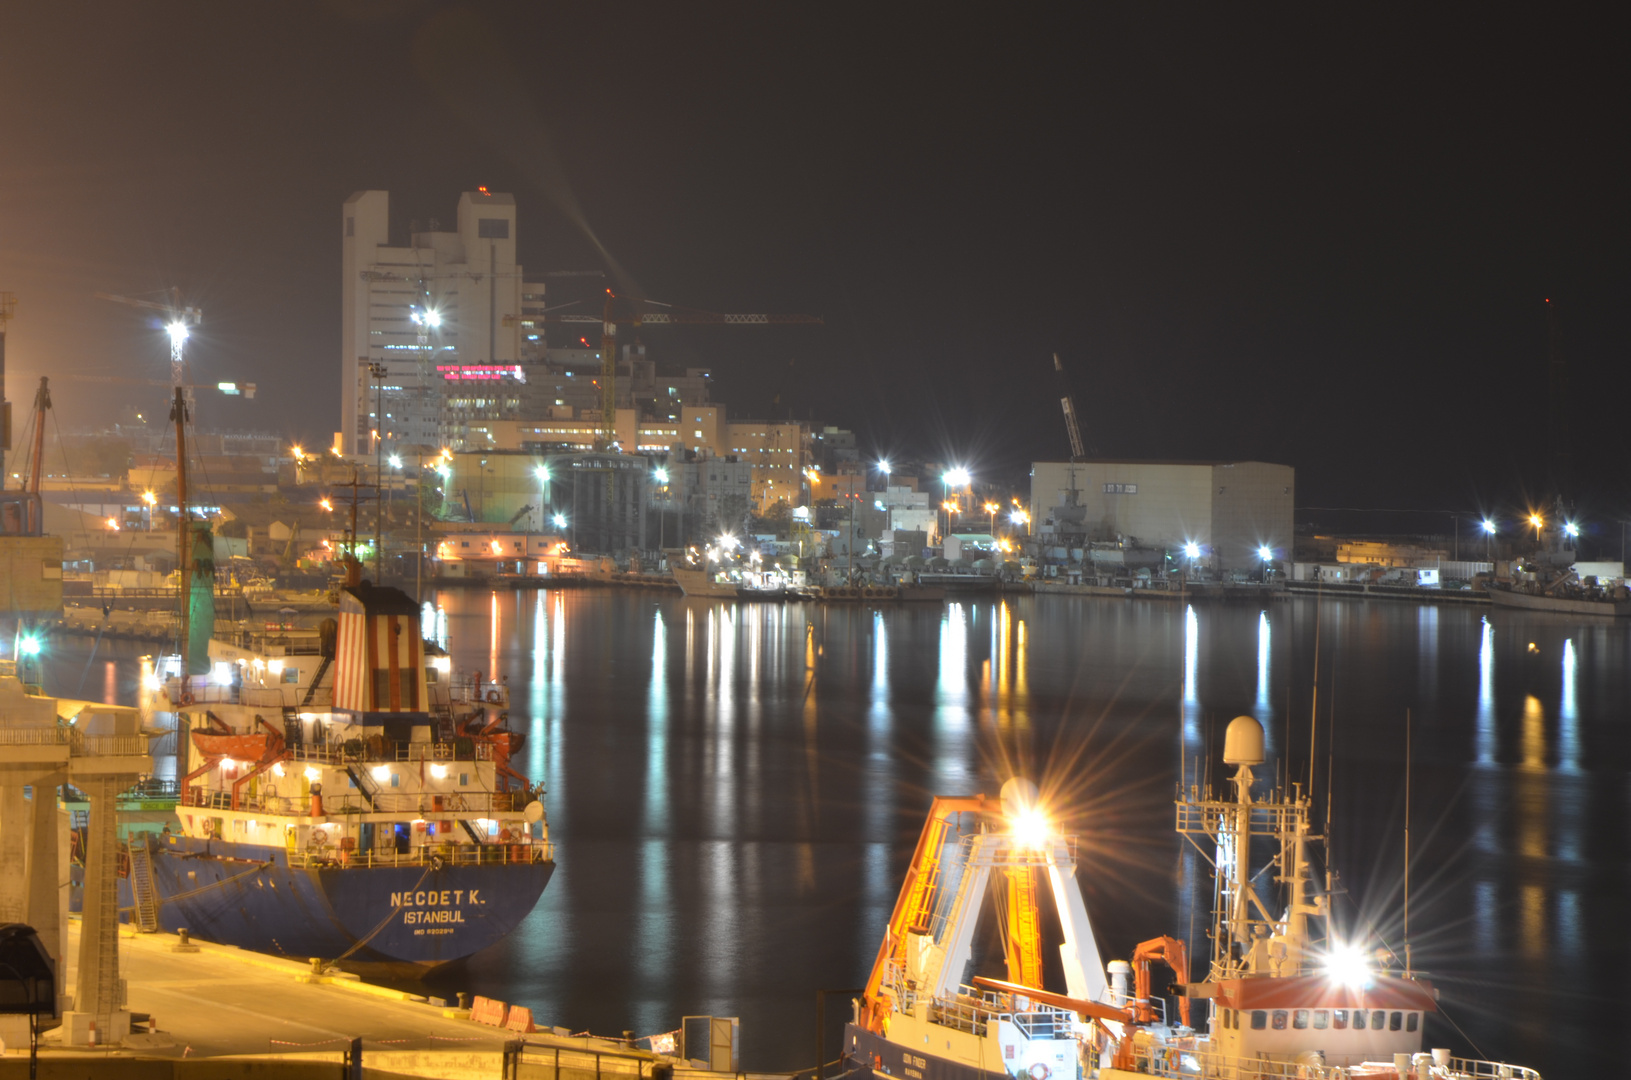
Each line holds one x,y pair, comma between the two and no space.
364,784
316,680
475,834
141,885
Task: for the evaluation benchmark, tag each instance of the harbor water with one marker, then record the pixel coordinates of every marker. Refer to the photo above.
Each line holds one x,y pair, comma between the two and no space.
735,789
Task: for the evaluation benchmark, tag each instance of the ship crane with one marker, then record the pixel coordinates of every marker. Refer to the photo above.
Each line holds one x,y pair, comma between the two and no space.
628,311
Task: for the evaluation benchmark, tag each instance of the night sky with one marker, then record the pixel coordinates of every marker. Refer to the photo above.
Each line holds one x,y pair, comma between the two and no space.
1320,239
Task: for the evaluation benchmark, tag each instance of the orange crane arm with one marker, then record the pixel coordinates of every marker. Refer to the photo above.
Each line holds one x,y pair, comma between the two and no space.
1169,951
913,906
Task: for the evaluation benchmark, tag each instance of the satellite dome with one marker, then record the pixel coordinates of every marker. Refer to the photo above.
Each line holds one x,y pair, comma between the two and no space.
1243,742
1019,795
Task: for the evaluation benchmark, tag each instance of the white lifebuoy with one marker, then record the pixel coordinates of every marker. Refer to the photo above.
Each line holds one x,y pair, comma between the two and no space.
1040,1071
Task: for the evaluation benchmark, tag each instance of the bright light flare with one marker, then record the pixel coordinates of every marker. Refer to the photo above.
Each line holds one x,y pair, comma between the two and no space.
1030,827
326,505
1347,965
958,477
311,774
1489,526
396,462
560,521
149,498
1192,550
178,333
660,475
1265,553
1571,528
31,646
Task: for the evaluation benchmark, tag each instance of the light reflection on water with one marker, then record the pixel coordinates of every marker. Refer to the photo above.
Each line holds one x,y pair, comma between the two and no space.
734,789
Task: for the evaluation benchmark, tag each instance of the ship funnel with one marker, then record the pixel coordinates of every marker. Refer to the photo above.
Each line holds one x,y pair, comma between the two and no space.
1243,742
1019,797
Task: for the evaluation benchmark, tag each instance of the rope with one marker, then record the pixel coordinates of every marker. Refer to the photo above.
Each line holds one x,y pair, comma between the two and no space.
389,915
213,885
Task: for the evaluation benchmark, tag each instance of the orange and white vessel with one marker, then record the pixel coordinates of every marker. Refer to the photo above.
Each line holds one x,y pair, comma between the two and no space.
1284,994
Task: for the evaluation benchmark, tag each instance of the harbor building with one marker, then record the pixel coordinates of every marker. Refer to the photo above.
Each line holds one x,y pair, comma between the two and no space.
440,319
1218,514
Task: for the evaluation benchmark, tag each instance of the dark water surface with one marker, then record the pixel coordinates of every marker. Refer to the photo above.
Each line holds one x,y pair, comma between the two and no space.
735,790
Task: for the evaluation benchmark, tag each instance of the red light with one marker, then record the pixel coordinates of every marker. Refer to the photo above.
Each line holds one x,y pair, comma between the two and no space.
483,190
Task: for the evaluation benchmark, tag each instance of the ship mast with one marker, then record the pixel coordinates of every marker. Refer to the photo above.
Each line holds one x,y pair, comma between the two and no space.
1248,937
184,562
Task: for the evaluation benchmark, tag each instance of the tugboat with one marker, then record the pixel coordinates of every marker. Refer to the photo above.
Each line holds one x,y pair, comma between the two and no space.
1279,1000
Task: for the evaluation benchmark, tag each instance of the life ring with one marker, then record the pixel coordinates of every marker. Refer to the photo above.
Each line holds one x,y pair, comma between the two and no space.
494,697
186,697
504,836
1039,1071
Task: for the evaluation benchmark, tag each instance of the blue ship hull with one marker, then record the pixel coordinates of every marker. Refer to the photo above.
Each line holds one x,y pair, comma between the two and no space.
420,914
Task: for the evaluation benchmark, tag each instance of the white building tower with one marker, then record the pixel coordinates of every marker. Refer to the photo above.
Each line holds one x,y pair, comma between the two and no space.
436,316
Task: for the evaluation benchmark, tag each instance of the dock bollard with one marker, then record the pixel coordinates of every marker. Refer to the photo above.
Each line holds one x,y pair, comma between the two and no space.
464,1000
186,943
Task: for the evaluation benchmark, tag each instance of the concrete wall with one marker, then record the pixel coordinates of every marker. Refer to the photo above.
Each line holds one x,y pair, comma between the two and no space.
1162,505
1230,509
1252,504
31,575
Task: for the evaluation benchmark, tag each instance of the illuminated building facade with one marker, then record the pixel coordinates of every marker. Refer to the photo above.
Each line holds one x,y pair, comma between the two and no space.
437,317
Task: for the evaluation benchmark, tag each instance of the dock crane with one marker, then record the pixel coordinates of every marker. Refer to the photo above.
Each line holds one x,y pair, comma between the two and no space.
1066,402
178,323
628,311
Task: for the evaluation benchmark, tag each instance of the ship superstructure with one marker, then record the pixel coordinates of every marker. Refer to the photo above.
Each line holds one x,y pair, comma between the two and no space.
1284,995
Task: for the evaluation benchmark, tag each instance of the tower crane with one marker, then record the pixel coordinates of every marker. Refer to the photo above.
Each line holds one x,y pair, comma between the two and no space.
1066,402
178,324
628,311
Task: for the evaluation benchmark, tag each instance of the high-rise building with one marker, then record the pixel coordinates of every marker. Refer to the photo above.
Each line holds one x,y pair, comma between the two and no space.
430,338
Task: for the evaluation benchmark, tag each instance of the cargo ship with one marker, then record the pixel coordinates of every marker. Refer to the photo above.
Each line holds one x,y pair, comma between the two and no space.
364,811
342,795
1276,1001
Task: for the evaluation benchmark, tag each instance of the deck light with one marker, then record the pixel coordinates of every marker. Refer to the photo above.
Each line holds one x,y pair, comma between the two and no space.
1346,964
311,774
381,773
1489,526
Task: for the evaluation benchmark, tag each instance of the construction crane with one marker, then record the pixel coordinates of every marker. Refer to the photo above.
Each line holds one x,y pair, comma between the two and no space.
1066,402
178,323
627,311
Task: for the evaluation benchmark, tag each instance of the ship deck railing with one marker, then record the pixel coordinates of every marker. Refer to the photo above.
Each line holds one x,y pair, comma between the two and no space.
282,696
494,854
1182,1062
423,804
972,1010
78,743
396,751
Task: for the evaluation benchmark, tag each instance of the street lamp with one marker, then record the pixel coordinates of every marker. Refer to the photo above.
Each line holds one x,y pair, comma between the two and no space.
1489,541
1537,521
991,509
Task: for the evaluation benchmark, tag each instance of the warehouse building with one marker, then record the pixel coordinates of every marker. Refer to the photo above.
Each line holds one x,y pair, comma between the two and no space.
1225,514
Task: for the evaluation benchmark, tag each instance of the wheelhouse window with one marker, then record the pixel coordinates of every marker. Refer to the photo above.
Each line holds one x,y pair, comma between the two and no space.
1360,1016
1299,1019
1411,1020
1322,1019
1395,1021
1260,1019
1339,1019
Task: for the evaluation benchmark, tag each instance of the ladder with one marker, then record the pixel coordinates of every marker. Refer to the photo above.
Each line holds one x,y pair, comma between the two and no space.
1024,931
364,784
141,885
316,679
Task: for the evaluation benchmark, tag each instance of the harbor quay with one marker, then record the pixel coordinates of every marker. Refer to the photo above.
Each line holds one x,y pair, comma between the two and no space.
221,1012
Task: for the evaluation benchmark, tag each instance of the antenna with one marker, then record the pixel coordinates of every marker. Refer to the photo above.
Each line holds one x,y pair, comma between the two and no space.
1407,843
